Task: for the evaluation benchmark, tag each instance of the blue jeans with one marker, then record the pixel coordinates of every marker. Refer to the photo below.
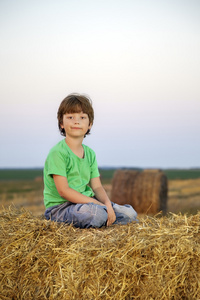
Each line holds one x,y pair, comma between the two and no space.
90,214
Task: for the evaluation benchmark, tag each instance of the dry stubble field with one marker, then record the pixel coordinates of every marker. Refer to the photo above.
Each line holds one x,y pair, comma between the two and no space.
158,258
183,195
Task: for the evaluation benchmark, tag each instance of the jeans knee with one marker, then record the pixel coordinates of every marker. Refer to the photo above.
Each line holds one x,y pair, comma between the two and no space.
99,216
131,212
124,213
88,215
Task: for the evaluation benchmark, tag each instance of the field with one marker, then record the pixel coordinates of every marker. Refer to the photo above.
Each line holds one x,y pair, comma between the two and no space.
157,258
24,188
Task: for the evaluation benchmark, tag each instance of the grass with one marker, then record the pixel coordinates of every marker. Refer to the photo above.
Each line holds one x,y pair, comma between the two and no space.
22,193
172,174
20,187
106,174
183,174
20,174
183,195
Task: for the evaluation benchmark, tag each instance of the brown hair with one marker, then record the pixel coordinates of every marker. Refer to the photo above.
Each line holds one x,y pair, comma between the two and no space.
75,103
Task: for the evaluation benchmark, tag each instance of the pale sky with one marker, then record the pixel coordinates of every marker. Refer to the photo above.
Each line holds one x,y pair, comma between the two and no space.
138,60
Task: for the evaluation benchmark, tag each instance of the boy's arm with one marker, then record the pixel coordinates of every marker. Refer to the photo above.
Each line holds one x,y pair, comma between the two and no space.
69,194
102,196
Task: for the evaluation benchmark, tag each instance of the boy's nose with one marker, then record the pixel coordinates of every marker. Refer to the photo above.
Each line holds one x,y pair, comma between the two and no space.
76,121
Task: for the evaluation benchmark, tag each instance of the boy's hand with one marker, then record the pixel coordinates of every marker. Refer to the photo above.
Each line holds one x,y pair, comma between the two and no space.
111,216
103,199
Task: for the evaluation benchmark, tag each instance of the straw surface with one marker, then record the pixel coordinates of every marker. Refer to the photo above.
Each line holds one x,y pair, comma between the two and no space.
158,258
146,191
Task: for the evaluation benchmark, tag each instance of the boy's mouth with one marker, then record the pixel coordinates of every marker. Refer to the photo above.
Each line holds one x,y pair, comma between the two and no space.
76,128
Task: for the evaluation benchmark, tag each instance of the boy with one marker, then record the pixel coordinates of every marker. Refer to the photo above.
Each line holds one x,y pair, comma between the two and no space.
73,192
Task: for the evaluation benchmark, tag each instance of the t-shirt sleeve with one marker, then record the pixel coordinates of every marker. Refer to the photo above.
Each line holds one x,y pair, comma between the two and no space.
56,164
94,167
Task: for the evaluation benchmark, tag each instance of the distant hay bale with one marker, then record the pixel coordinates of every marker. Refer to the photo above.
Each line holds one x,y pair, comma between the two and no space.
158,258
146,191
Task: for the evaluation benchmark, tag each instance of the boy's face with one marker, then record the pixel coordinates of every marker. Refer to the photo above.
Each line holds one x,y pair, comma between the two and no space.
76,124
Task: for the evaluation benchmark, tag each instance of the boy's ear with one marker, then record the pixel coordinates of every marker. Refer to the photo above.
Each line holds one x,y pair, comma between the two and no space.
90,126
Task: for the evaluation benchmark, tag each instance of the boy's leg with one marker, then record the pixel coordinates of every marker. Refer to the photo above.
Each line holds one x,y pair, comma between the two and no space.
80,215
124,213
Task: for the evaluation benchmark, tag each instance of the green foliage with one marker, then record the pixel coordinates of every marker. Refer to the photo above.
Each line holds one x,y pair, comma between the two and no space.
20,174
106,174
172,174
182,173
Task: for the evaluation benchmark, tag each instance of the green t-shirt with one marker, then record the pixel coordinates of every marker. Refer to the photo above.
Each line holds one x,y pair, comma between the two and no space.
62,161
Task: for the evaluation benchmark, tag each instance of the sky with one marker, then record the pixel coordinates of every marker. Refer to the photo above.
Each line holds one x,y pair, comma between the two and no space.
138,60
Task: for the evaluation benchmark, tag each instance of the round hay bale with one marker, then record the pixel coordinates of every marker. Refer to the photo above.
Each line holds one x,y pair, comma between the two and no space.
146,191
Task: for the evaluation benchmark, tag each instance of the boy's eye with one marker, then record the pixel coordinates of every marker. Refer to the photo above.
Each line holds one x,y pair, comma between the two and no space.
84,116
